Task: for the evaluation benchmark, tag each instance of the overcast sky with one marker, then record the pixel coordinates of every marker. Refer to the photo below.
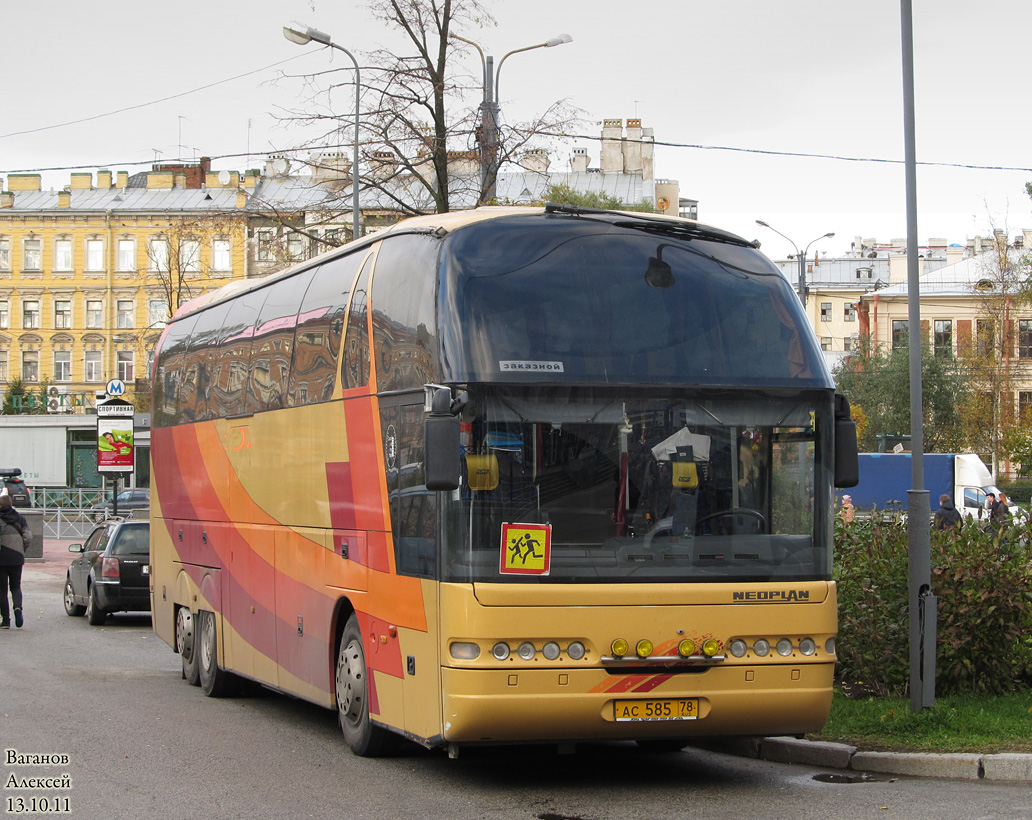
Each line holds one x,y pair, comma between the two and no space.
806,77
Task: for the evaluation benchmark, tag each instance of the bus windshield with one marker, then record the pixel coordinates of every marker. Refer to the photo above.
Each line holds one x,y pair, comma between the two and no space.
585,486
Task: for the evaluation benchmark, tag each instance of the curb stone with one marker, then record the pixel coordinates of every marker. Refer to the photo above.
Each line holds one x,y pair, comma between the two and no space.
1004,767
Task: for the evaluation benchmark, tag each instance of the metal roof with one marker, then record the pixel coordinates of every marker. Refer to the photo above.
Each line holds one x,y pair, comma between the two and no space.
129,199
959,279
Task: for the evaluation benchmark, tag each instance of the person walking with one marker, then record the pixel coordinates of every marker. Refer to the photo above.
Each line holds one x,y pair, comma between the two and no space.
14,538
999,517
946,517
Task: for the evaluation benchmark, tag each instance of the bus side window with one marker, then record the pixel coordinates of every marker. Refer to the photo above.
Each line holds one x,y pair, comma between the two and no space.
320,327
273,343
356,343
169,372
402,299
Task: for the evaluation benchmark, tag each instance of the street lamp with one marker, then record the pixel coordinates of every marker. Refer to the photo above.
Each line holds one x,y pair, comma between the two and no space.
303,35
799,256
489,112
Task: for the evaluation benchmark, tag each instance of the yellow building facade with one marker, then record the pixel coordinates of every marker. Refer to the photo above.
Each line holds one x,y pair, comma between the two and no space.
89,275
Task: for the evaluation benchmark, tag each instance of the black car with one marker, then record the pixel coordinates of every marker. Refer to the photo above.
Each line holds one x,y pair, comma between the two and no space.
130,502
112,572
16,488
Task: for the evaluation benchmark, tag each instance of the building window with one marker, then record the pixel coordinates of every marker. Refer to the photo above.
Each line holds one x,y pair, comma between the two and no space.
1025,407
825,342
62,366
3,366
5,254
943,341
94,254
5,314
986,341
157,253
125,365
265,240
825,311
125,314
30,314
849,312
94,370
94,313
220,255
126,254
30,365
900,334
62,314
33,255
63,254
1025,338
295,248
190,256
157,312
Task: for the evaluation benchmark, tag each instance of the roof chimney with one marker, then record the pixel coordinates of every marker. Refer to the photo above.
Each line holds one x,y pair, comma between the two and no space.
579,160
612,147
64,199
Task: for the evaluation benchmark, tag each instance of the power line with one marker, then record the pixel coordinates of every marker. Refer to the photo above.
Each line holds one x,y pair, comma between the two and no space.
145,105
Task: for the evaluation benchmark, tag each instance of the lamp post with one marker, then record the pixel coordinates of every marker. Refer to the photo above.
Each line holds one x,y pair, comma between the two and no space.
489,112
801,257
302,35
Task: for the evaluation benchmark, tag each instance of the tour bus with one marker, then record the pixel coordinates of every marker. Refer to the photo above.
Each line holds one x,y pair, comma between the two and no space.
509,475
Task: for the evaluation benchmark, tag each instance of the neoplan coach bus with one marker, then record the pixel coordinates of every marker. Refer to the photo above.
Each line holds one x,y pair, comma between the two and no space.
509,475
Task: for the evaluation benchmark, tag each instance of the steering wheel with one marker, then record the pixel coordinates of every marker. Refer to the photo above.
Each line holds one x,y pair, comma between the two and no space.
757,524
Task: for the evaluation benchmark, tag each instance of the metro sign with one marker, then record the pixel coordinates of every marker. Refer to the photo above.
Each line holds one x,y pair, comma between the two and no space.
115,388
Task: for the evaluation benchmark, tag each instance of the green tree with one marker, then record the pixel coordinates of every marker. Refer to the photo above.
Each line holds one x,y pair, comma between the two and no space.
563,194
878,381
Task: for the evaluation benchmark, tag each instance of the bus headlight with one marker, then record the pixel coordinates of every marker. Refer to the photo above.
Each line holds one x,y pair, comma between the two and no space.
807,646
710,647
643,648
784,647
686,648
464,651
576,651
738,648
526,651
619,647
550,650
500,651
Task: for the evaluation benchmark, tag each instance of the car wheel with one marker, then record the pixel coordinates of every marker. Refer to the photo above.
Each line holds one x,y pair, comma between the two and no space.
215,681
94,614
71,608
187,646
352,685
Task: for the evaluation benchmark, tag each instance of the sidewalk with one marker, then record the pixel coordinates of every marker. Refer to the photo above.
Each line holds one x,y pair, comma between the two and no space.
1005,767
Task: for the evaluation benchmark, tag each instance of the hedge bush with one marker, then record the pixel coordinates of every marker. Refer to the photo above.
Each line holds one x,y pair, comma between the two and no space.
983,583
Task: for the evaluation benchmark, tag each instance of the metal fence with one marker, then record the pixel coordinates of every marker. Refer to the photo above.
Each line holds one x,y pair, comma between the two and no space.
66,513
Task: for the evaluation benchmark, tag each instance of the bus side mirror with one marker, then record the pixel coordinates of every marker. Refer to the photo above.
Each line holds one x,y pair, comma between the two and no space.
442,457
847,467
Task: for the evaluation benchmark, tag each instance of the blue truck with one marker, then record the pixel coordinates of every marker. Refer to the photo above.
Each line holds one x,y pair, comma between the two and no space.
885,479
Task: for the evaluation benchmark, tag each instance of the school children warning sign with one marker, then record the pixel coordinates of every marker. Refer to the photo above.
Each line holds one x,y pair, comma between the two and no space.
526,549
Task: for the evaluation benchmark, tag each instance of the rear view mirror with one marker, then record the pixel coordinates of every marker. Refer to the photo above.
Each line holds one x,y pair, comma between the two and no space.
443,451
847,467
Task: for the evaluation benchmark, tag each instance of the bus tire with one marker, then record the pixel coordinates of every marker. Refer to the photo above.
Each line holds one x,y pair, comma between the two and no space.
214,680
186,645
352,688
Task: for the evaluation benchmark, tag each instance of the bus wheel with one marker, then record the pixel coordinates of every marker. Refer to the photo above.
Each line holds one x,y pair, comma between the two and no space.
214,680
362,737
186,645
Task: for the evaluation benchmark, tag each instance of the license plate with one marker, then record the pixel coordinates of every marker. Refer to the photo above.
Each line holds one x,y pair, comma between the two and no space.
649,710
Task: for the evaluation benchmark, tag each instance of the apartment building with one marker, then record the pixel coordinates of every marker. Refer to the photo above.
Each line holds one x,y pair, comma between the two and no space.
89,274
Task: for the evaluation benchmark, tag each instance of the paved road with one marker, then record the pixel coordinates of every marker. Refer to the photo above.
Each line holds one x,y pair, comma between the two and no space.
141,743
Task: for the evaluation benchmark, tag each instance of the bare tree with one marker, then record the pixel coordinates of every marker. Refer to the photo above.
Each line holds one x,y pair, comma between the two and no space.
420,128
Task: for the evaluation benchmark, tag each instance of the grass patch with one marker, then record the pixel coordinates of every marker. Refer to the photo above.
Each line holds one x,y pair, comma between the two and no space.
957,723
